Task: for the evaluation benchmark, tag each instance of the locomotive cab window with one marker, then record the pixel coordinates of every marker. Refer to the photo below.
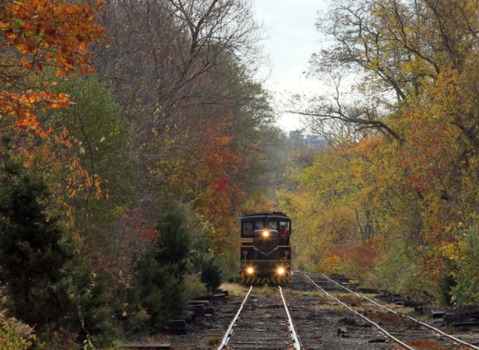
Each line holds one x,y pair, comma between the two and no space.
258,224
284,232
273,225
247,229
285,224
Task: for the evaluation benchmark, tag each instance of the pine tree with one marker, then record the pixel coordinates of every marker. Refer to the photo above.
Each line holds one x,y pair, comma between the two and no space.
159,289
211,275
31,251
174,245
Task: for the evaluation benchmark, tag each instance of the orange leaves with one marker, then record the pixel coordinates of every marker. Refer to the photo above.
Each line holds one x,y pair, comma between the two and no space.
53,31
37,33
354,260
42,31
21,108
141,229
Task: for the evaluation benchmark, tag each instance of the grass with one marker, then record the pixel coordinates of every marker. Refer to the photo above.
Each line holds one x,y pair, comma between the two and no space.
267,289
235,289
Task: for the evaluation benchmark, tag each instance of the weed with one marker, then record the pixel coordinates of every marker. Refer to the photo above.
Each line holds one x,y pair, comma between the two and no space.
267,289
214,341
389,318
352,300
427,344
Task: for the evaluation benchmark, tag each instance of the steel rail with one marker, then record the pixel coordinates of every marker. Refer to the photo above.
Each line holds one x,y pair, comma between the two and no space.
229,332
389,335
294,335
437,330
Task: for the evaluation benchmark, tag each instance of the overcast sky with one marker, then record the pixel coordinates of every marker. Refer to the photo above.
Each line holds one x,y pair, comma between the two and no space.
291,39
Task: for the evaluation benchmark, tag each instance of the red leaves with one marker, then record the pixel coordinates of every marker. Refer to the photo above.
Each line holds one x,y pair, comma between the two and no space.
142,230
220,185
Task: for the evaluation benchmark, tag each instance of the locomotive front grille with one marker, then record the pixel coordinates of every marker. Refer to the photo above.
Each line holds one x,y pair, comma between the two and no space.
266,244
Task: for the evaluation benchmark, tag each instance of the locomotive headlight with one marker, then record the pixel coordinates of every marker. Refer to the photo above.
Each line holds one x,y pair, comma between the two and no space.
265,233
250,270
281,271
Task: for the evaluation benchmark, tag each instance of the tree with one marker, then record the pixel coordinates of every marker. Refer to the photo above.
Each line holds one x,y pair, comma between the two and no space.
158,290
35,34
38,34
33,251
411,122
211,275
48,283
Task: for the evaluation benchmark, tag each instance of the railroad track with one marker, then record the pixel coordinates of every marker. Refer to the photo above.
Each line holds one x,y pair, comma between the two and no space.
326,316
404,330
263,321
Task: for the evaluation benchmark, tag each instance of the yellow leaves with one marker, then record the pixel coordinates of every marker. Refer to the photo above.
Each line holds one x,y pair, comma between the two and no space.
450,251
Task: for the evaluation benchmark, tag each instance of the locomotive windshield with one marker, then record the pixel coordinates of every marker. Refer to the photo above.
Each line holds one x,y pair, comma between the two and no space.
249,225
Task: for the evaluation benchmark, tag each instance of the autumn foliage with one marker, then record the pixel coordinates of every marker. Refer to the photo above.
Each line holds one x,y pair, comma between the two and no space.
125,113
403,169
37,34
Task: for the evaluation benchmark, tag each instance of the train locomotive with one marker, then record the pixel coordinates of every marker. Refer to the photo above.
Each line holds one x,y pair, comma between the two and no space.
265,252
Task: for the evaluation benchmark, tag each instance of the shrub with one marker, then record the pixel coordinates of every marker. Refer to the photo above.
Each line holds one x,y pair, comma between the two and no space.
193,286
211,275
15,335
398,271
466,275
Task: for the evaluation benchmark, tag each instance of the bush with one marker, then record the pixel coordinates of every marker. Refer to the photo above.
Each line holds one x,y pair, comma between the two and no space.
466,275
398,272
211,275
87,305
157,294
194,287
15,335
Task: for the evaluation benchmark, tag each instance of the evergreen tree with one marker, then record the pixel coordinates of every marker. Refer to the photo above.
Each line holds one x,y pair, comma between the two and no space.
32,254
211,275
49,286
174,245
159,289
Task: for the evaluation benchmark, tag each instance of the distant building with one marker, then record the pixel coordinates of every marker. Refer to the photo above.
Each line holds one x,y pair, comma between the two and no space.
313,141
296,135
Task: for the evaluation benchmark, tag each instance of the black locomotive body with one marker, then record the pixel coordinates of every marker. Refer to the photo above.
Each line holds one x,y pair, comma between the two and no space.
265,248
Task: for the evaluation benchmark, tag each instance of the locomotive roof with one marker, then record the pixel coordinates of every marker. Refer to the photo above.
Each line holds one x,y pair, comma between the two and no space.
266,213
